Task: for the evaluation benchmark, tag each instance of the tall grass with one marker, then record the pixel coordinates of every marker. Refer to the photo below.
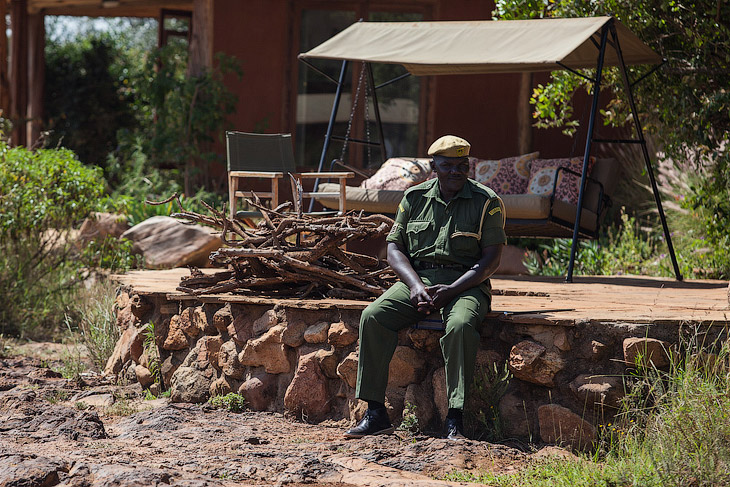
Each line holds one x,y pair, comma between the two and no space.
673,430
93,319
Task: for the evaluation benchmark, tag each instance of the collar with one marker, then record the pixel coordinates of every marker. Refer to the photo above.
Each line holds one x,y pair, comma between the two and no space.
434,192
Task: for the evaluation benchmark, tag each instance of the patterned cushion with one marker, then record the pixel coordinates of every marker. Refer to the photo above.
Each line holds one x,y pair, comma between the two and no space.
399,173
505,176
542,175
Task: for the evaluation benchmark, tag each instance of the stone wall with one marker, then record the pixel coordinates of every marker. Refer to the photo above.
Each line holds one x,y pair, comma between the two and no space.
567,377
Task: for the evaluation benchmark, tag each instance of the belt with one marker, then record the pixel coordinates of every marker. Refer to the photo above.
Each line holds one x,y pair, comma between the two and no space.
421,264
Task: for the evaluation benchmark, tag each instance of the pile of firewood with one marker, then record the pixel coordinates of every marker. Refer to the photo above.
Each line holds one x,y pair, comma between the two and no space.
291,254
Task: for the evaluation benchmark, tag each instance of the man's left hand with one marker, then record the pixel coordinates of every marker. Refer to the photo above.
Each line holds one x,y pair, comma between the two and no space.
441,295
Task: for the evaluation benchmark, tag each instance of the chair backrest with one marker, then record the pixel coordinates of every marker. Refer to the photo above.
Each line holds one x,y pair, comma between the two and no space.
260,152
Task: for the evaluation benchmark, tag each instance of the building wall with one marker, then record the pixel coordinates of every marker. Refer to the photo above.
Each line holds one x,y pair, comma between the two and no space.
263,35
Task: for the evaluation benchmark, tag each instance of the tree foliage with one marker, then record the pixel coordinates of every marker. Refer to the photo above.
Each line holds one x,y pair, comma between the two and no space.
43,194
685,104
180,115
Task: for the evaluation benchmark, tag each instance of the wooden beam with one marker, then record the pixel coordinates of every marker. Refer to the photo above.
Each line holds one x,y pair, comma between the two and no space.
524,114
97,8
18,70
4,78
201,42
36,76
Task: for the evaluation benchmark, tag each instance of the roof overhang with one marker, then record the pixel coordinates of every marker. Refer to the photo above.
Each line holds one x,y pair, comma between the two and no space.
480,47
107,8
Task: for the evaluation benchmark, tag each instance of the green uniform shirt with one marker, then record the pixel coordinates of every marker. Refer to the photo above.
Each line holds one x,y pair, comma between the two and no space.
431,230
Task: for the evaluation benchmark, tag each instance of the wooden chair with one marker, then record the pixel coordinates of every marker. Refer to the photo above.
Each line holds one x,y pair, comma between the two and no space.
269,156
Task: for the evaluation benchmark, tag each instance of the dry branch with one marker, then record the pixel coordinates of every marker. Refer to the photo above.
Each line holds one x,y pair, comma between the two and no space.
292,254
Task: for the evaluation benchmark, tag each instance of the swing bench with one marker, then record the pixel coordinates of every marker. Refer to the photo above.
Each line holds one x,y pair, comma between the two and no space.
483,47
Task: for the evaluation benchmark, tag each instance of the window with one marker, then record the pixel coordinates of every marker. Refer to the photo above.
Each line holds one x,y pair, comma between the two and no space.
399,102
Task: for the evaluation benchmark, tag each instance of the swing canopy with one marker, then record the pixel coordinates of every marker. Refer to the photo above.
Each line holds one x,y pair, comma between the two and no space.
482,47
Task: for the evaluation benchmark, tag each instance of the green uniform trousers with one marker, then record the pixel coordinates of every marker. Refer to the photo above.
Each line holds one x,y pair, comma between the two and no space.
393,311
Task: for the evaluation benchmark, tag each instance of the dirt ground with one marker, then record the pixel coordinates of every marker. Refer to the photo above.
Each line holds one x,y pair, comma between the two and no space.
89,432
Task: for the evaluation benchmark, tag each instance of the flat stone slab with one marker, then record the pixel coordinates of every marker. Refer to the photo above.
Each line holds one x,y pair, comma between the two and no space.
525,299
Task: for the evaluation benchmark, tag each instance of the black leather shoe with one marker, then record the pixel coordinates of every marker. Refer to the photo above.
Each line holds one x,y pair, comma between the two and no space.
454,429
375,422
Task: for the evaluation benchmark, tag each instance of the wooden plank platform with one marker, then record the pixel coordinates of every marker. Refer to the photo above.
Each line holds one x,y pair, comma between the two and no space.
611,299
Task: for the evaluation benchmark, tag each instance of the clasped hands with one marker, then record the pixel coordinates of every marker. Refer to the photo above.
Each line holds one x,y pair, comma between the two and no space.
431,298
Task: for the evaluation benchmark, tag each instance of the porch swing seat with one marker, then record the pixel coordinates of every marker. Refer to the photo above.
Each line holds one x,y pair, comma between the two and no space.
528,215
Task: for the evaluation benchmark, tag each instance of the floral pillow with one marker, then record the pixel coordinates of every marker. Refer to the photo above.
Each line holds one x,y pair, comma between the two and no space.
399,173
542,175
505,176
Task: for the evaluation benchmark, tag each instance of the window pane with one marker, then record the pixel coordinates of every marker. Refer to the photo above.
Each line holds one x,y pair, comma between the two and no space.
315,92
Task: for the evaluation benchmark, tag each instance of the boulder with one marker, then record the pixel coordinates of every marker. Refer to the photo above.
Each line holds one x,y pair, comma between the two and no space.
406,367
170,365
341,335
513,415
421,396
486,360
645,351
394,402
598,389
176,339
140,306
223,385
306,396
122,352
327,360
317,333
531,362
293,335
347,370
30,470
547,335
241,328
438,383
426,340
187,322
259,391
228,360
593,351
562,426
208,348
100,225
144,376
190,384
267,351
222,318
264,322
165,242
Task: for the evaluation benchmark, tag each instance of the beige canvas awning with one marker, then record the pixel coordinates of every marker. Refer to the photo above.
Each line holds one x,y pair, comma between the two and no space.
477,47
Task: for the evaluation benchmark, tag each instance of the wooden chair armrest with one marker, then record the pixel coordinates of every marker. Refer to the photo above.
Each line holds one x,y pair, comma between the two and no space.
255,174
341,175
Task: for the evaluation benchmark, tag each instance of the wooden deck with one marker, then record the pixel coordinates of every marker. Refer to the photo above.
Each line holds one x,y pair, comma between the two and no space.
527,299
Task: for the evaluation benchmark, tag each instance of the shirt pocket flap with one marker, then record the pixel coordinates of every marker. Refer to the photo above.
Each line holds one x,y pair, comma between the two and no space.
417,227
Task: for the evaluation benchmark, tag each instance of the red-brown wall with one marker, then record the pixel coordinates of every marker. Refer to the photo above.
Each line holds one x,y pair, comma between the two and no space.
482,109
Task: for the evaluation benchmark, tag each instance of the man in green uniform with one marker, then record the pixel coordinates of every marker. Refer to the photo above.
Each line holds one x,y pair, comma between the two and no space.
446,241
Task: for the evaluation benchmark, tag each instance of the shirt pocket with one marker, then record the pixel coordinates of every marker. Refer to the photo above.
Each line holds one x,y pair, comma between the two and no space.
465,239
418,234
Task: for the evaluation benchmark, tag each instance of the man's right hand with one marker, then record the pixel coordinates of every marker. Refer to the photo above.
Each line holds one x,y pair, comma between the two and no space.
421,299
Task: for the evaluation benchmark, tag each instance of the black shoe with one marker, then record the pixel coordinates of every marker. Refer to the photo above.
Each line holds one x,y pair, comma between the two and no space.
454,429
375,422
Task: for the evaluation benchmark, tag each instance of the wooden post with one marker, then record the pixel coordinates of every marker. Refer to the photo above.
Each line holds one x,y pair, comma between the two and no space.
524,114
4,79
201,41
19,70
36,76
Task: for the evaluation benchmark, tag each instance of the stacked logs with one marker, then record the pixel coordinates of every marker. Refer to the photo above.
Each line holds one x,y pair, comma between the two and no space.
292,254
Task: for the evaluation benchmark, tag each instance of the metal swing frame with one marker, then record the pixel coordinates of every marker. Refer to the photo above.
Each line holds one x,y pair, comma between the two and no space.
601,46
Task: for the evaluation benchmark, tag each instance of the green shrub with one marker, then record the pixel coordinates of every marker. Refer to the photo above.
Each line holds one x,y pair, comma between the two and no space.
232,402
43,194
110,253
